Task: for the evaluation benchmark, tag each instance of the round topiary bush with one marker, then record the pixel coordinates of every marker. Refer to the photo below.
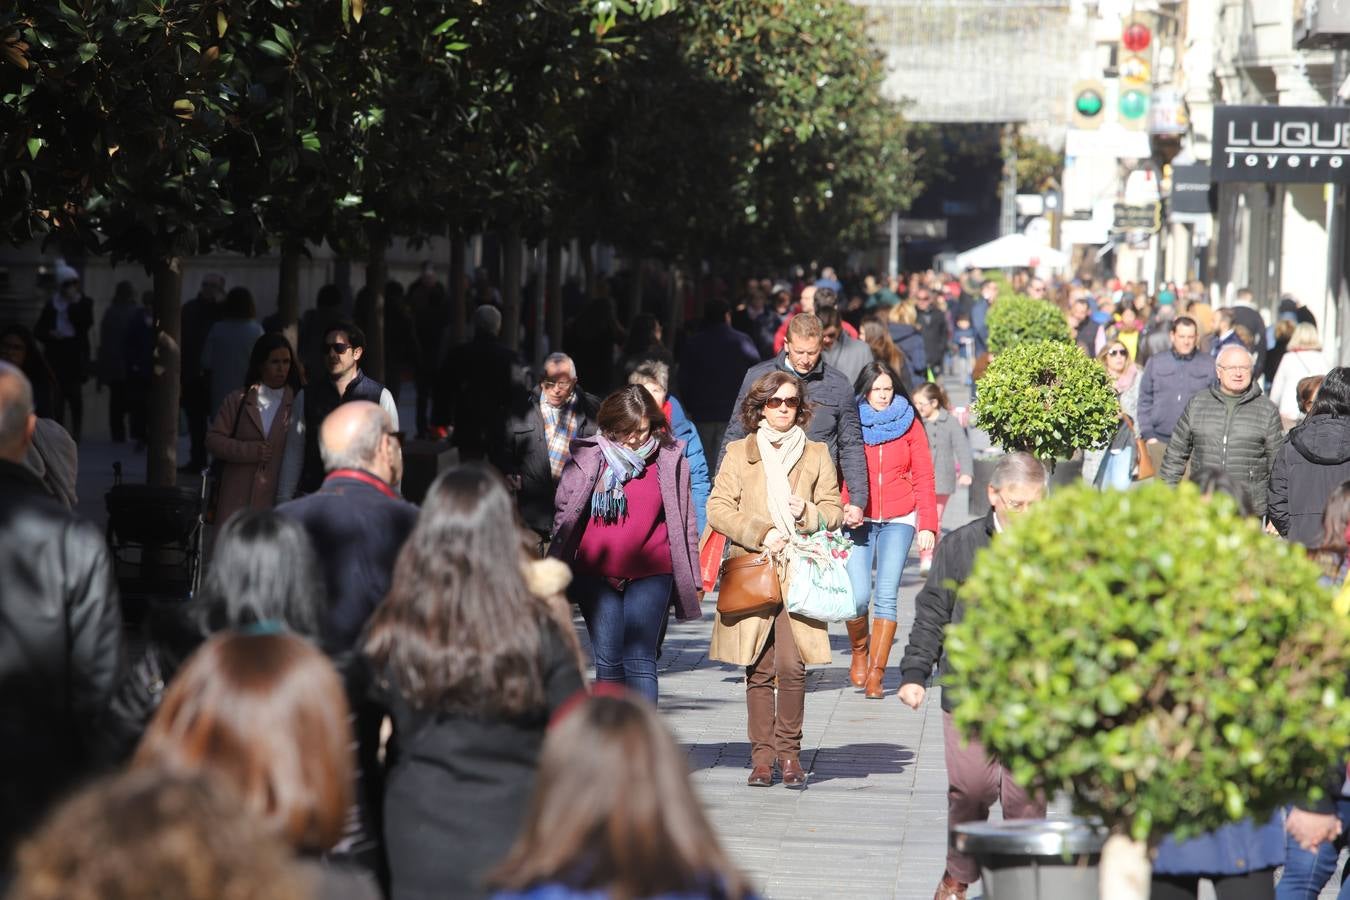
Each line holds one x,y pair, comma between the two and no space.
1048,399
1022,320
1155,655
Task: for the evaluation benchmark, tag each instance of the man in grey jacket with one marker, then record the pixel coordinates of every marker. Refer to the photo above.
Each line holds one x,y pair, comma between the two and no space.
1232,426
1169,382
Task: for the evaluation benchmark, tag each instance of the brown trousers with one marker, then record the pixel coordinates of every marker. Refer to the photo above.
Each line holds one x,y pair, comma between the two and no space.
775,723
974,781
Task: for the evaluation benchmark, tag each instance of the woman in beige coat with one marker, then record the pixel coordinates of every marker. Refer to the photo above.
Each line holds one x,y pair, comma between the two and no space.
249,431
771,484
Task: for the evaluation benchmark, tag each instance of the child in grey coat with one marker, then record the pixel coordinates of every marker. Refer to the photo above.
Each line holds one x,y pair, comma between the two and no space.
949,445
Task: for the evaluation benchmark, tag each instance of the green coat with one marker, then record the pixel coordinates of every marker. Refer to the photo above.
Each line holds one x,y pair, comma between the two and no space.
1242,442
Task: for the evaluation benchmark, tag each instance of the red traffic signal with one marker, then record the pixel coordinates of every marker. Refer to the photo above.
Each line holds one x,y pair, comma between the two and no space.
1136,37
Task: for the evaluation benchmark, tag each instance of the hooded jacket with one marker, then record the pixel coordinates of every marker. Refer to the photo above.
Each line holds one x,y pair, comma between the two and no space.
1313,462
1242,439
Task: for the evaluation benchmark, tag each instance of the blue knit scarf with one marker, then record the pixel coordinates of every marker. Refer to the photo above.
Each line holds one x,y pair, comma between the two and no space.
887,425
608,503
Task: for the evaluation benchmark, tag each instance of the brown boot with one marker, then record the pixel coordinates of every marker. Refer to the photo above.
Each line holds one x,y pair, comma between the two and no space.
883,632
857,639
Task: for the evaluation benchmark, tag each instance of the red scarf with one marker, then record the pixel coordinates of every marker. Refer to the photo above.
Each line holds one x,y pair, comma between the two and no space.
364,478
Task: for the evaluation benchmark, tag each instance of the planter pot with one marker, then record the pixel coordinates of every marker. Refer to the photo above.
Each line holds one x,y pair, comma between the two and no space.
1067,472
1034,859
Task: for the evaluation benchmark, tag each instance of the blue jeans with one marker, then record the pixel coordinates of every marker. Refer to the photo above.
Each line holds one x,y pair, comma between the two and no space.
1305,874
889,543
625,627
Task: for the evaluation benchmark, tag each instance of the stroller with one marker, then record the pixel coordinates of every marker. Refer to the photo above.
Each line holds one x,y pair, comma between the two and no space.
155,536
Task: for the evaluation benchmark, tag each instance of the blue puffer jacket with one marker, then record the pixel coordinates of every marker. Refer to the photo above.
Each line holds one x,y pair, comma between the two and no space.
1232,850
910,341
700,485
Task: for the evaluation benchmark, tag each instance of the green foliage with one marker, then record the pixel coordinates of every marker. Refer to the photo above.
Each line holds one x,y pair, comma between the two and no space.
1156,656
1048,399
1037,164
1019,320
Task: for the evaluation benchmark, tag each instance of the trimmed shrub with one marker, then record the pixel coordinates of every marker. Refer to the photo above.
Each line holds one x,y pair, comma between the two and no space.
1021,320
1048,399
1155,655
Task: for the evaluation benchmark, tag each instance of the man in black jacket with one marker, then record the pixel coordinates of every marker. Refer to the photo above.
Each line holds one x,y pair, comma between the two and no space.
475,385
1231,426
60,630
975,778
358,523
932,324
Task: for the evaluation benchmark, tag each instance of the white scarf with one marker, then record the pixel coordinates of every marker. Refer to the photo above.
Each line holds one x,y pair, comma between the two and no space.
778,463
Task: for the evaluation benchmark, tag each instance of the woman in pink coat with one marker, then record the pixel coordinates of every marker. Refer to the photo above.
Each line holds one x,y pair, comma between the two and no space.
249,431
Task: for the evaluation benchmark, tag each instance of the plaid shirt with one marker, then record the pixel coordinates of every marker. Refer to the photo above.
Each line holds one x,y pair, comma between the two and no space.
560,426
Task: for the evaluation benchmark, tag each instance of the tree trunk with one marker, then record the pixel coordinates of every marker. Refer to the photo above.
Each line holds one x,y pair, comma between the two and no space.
553,279
458,313
673,310
587,267
540,316
634,291
511,263
377,275
161,463
288,294
1125,869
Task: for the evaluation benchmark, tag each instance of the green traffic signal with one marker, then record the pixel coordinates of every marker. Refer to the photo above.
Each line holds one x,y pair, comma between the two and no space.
1133,104
1088,103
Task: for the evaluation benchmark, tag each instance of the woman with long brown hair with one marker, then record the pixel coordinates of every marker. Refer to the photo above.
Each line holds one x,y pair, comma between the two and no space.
625,522
266,713
614,815
470,666
773,485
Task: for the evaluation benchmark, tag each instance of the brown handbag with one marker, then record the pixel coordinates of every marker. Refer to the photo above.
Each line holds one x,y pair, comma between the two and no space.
749,586
1143,460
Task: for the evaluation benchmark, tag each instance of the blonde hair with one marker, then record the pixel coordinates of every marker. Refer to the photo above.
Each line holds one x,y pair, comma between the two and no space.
1305,337
903,313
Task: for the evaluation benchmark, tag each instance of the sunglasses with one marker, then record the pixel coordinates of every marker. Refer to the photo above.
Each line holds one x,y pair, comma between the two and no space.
789,402
339,348
1117,352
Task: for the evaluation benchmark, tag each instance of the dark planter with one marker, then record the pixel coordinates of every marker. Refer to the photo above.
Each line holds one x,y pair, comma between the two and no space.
1067,472
1035,859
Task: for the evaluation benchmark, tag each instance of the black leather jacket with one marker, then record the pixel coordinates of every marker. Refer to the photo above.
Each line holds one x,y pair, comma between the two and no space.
60,641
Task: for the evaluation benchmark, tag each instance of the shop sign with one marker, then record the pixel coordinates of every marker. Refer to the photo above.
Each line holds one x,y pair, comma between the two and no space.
1281,144
1190,190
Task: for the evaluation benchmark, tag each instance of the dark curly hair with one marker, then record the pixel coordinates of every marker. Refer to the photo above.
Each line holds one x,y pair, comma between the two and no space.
752,408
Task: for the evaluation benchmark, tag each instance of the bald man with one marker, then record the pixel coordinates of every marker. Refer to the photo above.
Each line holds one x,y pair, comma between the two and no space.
356,519
1231,426
60,629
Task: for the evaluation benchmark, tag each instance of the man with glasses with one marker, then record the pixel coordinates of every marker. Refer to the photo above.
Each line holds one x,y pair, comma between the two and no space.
975,778
1231,426
302,468
538,440
1169,382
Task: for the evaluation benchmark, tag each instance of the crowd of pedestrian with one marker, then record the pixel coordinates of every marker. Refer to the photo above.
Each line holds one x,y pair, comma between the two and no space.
395,697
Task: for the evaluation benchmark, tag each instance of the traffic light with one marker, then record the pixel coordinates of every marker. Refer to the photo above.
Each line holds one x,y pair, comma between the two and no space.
1136,76
1089,101
1133,109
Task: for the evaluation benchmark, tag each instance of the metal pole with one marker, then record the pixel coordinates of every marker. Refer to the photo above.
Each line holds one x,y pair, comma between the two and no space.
893,264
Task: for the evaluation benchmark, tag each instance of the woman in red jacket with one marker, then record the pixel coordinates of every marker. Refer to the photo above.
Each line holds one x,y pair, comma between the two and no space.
901,501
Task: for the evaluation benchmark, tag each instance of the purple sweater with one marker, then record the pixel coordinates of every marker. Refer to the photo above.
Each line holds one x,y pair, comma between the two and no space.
635,546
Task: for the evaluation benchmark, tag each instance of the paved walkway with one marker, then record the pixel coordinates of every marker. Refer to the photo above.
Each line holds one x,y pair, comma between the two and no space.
872,820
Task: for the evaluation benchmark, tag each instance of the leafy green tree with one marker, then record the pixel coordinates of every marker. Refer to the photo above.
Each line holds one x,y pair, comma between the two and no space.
109,114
